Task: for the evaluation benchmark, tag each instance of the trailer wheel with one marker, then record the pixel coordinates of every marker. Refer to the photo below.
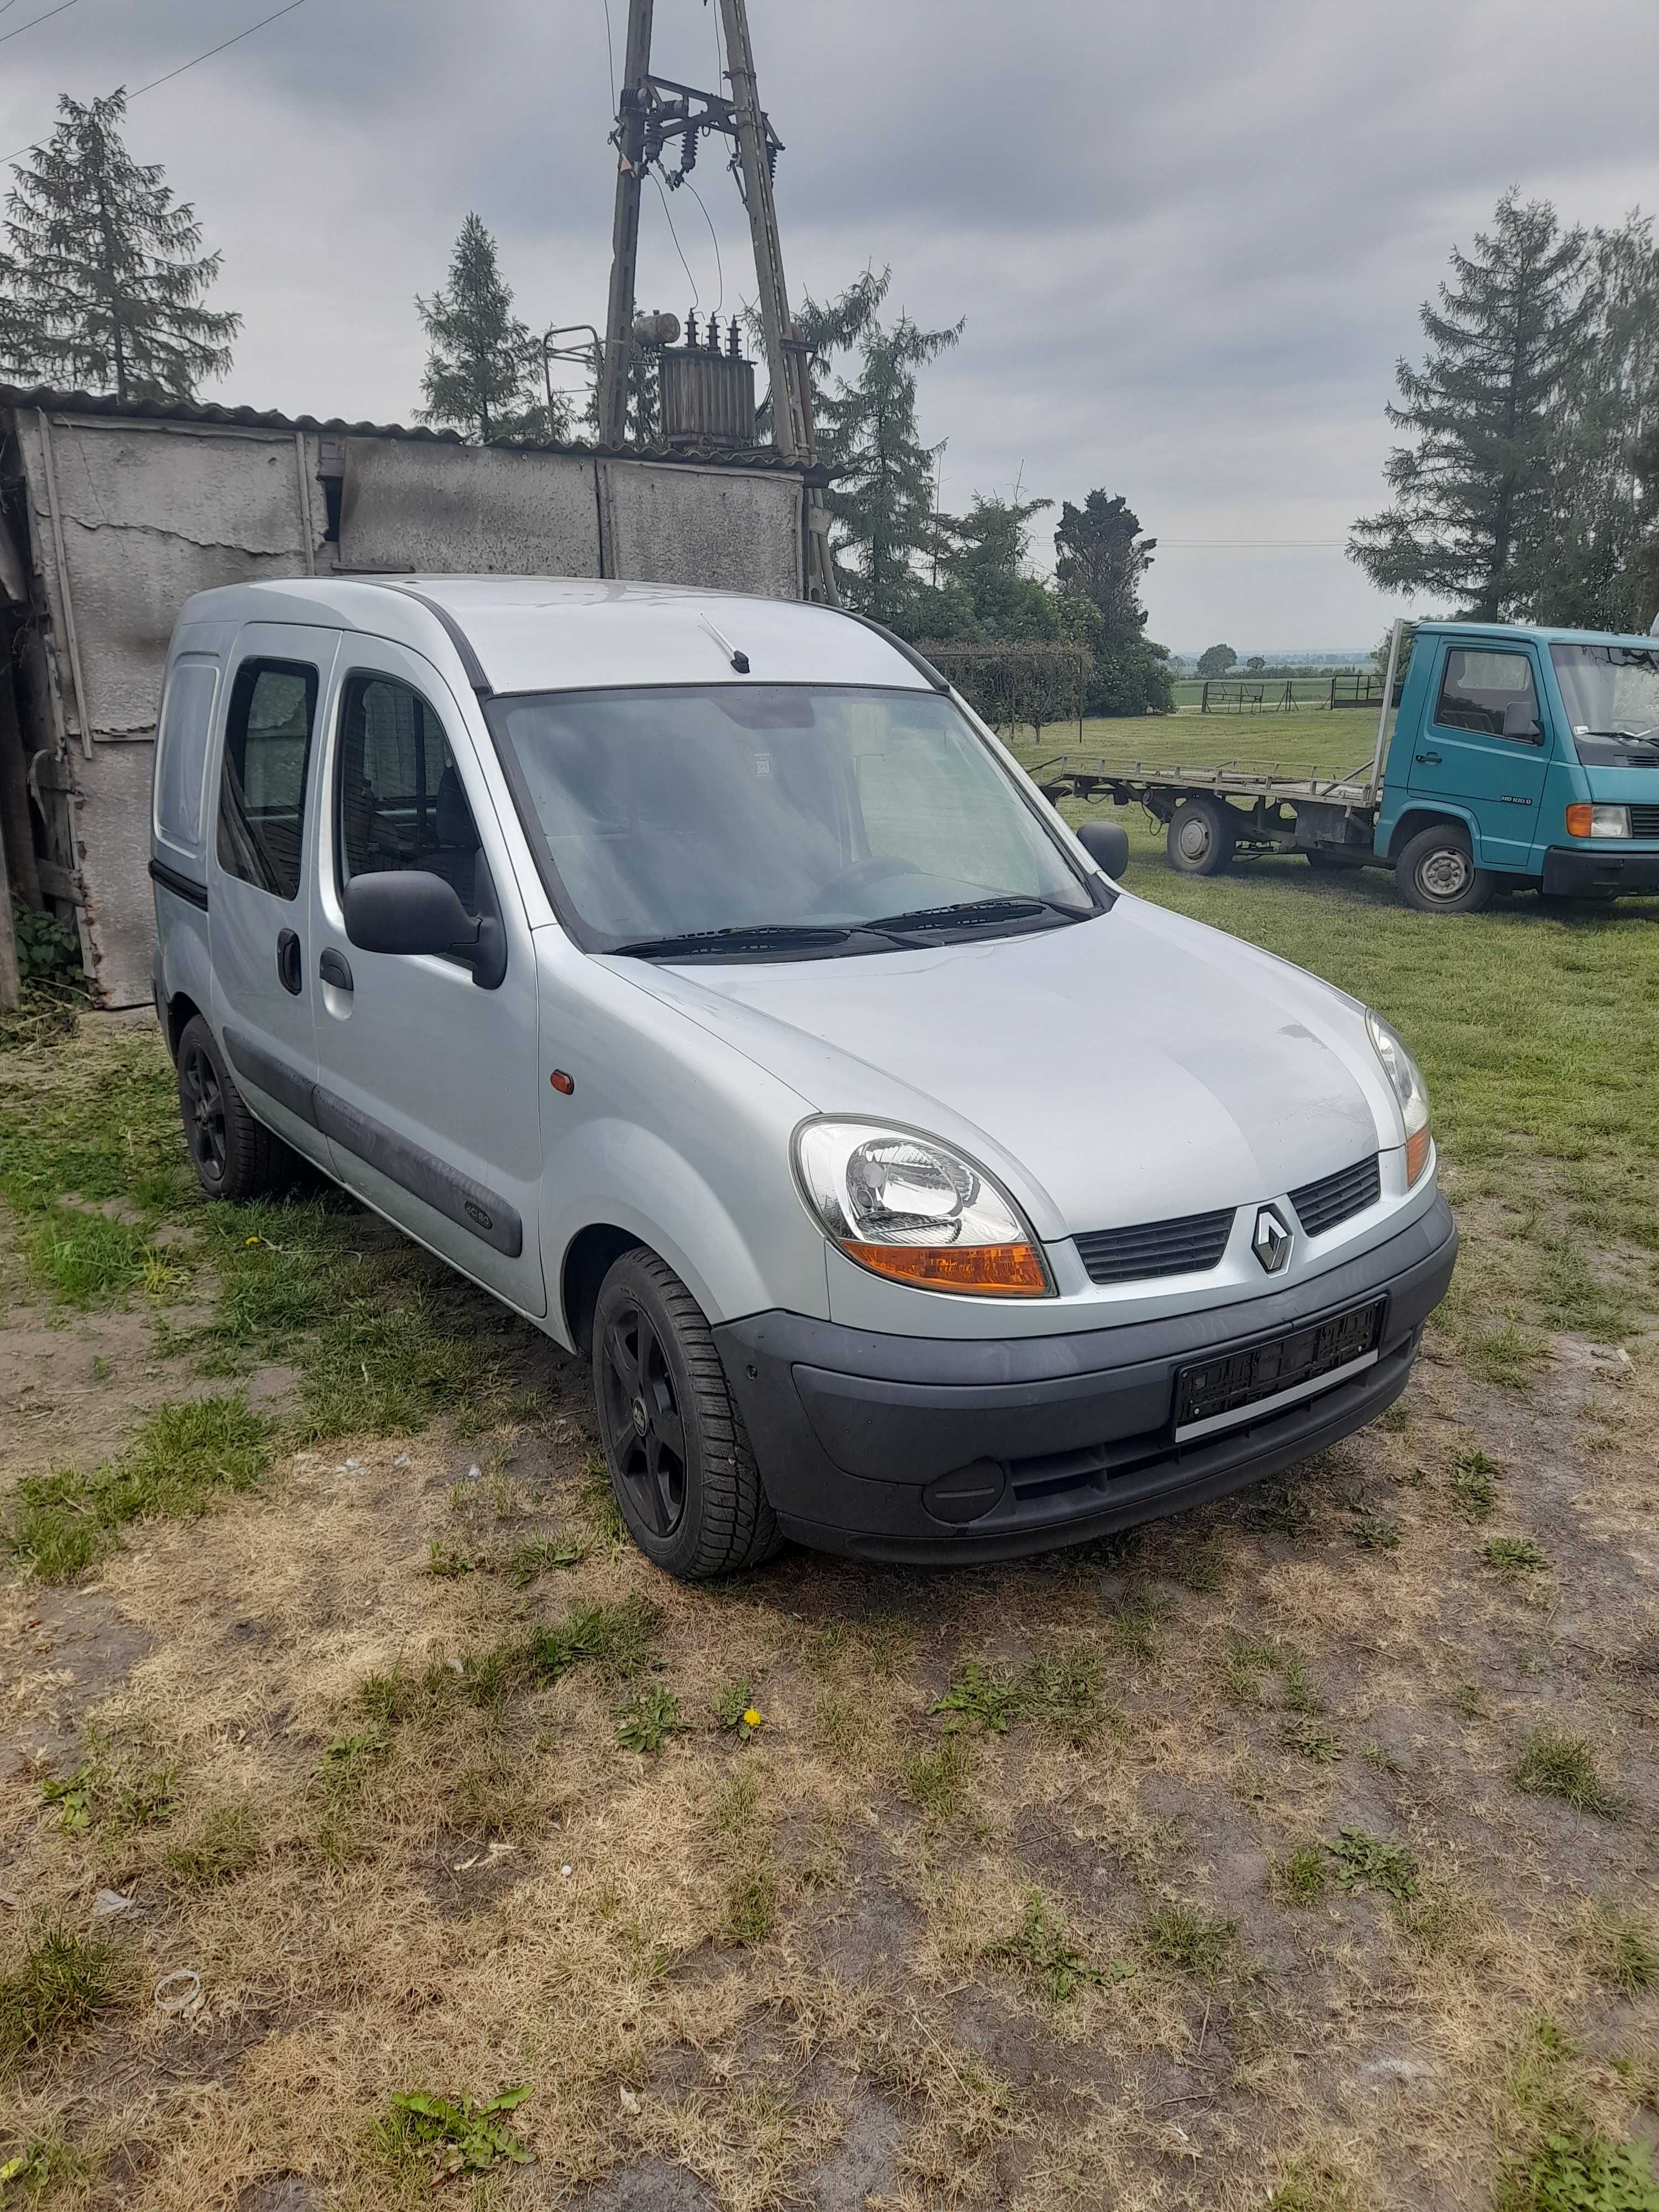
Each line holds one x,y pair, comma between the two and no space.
1202,834
1436,872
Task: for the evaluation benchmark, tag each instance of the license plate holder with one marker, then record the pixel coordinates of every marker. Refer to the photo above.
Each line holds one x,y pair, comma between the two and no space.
1235,1387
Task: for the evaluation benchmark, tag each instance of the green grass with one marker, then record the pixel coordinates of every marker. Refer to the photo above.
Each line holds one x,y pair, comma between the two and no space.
1621,1949
1515,1557
62,1984
1556,1764
1061,1695
1359,1861
937,1781
1302,1877
225,1845
1587,2173
1042,1948
615,1640
182,1459
1473,1484
648,1719
445,2136
1189,1941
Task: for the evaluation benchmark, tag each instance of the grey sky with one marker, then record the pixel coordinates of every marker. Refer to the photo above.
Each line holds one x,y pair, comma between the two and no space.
1189,239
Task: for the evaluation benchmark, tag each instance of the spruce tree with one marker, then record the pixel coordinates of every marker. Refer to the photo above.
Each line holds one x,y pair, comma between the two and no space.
100,275
483,369
1473,503
881,505
1100,558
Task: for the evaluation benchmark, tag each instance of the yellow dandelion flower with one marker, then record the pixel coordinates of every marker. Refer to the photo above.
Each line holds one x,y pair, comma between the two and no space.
751,1719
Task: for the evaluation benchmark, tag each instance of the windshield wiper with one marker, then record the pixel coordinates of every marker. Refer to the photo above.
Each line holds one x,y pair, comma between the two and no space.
741,936
1625,737
963,916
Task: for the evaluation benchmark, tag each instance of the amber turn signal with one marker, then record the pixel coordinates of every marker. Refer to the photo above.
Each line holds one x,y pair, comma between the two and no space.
1578,820
1417,1154
995,1271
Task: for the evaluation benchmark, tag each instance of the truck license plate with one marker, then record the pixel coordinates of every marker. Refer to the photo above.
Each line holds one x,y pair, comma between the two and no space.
1240,1386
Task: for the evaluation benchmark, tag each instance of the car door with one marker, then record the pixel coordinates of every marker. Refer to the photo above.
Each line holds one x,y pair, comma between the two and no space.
1486,745
258,852
426,1082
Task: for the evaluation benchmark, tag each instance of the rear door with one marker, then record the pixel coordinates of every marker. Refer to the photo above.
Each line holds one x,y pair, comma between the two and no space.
1486,745
427,1085
259,845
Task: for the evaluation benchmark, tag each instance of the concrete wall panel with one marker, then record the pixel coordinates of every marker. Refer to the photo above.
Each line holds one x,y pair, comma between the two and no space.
461,510
670,523
112,841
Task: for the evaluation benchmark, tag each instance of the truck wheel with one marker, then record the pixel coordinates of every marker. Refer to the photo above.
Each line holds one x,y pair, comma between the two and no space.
1436,872
1202,833
235,1157
679,1456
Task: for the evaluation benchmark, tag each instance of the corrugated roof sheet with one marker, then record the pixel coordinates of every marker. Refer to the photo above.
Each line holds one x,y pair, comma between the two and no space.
255,418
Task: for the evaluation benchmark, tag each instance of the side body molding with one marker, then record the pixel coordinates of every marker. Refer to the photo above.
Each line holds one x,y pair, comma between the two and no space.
471,1205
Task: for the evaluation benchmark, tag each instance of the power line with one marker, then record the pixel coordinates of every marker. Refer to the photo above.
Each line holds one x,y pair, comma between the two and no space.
167,79
1255,545
719,272
674,234
609,54
34,19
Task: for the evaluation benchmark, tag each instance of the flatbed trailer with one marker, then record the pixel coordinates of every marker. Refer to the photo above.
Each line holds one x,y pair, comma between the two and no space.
1212,812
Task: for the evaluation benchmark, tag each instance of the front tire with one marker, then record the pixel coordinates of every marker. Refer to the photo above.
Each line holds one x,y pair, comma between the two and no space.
1202,834
681,1464
1436,872
235,1157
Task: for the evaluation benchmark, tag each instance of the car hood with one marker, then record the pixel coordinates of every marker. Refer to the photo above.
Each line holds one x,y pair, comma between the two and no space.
1130,1068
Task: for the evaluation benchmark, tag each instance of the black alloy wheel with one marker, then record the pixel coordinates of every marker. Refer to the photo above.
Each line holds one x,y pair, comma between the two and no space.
682,1467
204,1103
645,1430
235,1157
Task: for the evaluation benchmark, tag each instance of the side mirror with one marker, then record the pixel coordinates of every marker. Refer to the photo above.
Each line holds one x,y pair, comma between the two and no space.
406,911
1521,720
1107,844
409,910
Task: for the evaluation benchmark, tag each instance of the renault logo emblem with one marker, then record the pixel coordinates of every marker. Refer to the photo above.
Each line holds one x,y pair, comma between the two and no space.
1270,1240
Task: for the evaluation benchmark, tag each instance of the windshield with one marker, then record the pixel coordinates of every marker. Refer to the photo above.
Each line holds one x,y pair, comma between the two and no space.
1611,693
809,814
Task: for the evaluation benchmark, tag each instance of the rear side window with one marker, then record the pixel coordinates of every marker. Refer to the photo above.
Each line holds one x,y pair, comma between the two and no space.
1489,692
399,803
262,789
186,712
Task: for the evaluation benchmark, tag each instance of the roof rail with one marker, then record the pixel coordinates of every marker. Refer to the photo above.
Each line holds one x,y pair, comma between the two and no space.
457,637
918,661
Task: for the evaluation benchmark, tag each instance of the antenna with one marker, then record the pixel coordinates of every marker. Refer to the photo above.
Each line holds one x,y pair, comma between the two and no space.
651,112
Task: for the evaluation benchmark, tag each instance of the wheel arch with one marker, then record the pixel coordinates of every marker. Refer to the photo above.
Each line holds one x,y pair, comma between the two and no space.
1415,818
589,1257
180,1008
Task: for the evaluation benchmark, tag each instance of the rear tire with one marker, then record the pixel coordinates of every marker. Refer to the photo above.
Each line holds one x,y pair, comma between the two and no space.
1436,872
235,1157
681,1465
1202,834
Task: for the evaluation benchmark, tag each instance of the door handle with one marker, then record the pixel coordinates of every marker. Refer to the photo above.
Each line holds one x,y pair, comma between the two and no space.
334,968
1432,757
289,973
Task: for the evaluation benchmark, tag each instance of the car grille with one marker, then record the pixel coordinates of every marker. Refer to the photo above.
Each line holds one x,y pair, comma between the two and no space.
1187,1247
1320,1205
1644,822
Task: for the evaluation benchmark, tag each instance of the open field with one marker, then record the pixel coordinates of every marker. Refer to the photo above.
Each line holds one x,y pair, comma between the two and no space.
1330,744
1299,1853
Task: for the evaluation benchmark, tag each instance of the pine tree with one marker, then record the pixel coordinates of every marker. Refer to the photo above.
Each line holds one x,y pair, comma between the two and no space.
483,369
826,328
1473,500
1100,557
1591,570
100,272
988,586
881,505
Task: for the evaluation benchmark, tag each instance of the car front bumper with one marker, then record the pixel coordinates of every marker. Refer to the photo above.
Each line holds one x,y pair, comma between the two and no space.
929,1451
1594,871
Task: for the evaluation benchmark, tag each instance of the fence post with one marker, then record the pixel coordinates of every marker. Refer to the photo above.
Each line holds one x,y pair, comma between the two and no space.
1203,700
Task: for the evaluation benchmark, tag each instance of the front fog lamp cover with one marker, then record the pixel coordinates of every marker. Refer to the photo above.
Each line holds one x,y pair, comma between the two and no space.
1406,1079
909,1206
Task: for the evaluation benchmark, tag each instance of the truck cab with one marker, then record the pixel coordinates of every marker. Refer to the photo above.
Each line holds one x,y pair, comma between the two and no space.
1522,756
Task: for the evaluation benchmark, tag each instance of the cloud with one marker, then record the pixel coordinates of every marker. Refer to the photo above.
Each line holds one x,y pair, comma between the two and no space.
1190,240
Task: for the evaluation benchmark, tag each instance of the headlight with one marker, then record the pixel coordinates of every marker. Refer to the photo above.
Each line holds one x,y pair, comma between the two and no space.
1409,1089
1585,820
912,1207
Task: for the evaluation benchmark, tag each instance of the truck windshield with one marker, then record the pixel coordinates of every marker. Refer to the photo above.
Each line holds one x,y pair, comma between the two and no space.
1611,693
778,821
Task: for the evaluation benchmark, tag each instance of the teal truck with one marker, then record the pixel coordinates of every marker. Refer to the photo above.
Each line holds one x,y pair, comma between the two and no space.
1520,758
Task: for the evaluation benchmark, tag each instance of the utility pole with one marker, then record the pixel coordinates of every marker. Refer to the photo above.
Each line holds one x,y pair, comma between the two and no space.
653,110
625,226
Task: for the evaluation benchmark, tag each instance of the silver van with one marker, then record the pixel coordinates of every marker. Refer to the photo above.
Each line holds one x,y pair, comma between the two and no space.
700,975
